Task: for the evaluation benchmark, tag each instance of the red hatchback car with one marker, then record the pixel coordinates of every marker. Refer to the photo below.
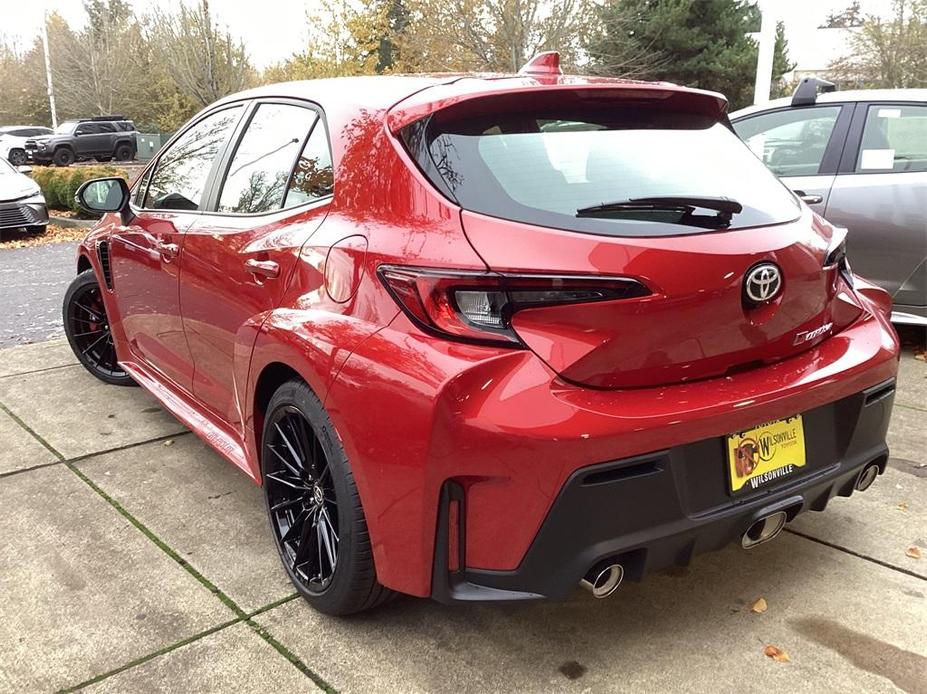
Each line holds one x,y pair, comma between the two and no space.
490,337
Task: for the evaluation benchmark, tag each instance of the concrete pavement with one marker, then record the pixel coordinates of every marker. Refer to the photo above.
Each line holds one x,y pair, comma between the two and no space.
134,559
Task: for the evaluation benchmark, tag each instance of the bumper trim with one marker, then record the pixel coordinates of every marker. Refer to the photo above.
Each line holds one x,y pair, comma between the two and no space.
657,519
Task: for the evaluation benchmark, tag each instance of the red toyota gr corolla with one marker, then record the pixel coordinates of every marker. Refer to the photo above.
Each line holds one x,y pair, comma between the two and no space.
490,337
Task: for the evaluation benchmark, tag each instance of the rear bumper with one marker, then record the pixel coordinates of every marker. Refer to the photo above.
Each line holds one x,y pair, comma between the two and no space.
658,510
501,428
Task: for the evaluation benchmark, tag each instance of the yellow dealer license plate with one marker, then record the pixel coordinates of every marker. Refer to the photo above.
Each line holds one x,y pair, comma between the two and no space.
766,453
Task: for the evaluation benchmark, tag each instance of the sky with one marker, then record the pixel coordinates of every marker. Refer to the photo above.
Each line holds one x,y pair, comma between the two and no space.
273,30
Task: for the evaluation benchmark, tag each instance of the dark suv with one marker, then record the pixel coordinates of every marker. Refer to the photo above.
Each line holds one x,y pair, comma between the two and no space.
103,138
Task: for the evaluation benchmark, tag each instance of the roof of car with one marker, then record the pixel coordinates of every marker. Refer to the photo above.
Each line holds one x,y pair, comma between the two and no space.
838,97
421,94
4,128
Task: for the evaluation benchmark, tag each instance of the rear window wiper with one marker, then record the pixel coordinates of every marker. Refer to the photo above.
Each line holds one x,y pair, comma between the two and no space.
683,203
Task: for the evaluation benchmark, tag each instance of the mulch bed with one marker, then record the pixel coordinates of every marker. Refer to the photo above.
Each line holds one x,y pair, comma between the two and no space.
55,234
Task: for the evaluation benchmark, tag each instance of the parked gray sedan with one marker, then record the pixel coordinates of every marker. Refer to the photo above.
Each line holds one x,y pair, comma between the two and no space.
859,158
22,204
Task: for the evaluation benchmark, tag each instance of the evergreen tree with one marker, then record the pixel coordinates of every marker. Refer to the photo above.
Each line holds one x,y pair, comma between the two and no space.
698,43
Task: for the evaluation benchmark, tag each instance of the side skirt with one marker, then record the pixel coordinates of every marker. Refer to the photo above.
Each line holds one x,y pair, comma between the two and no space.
218,435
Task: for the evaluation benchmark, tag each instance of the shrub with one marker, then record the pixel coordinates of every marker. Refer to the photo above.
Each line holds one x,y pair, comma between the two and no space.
59,184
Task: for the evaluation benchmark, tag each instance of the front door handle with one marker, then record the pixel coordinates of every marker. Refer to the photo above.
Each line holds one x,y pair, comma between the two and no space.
168,251
262,268
809,199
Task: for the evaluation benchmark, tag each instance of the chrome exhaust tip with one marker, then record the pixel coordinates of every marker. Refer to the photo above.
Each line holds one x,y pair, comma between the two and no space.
603,580
764,530
867,477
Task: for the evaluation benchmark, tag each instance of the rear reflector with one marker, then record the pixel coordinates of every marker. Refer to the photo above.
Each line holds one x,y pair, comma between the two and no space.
478,306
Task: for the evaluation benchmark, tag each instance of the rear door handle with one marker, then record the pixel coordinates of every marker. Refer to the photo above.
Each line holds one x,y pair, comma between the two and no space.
168,251
262,268
809,199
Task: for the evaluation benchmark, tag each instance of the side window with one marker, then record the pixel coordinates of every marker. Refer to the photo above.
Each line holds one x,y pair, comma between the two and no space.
791,142
258,174
894,140
180,175
86,129
313,177
105,128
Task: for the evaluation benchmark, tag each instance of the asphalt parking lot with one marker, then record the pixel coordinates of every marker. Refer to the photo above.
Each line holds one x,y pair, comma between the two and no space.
134,559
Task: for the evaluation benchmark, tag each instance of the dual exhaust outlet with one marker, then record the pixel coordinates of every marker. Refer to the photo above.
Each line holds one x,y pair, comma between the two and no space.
605,577
768,527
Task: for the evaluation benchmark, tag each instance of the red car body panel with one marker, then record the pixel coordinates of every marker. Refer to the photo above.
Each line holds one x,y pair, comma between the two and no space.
412,410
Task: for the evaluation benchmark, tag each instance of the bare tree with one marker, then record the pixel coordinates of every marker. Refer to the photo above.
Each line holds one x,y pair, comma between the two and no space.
101,69
493,35
888,52
205,62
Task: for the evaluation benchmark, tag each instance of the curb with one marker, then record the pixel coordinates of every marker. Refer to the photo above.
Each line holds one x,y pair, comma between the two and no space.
70,222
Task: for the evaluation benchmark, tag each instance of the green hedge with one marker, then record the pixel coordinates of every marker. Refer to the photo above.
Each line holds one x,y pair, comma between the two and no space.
59,184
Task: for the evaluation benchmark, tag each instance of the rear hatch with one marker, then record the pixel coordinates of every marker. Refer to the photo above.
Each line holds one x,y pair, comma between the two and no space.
647,186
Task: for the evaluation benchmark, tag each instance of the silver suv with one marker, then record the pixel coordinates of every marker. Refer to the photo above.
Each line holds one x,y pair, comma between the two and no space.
858,158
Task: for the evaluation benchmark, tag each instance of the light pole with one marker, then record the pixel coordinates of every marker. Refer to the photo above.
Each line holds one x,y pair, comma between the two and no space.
48,71
764,63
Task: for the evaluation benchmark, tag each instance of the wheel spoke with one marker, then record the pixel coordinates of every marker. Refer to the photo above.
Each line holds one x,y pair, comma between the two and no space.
286,463
92,332
286,503
292,484
90,312
289,446
296,528
330,550
93,344
305,540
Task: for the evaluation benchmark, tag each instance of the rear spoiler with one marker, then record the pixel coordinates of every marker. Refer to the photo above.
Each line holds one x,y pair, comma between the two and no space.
474,94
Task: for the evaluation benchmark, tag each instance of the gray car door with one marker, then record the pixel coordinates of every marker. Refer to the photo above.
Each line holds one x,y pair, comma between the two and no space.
880,195
800,145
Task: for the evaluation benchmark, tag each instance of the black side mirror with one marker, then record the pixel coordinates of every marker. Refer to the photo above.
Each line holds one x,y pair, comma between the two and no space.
106,195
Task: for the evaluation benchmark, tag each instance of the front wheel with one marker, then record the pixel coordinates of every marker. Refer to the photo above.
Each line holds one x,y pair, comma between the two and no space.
63,156
315,512
87,328
17,157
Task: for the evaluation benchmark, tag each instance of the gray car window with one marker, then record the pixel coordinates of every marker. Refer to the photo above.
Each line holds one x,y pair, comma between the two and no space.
790,142
257,177
894,139
180,176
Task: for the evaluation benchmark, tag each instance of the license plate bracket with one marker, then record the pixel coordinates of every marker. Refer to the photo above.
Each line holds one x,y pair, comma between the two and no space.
764,454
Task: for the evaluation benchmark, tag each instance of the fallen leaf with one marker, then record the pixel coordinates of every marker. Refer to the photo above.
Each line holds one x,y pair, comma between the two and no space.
759,606
922,356
776,654
169,442
903,506
913,552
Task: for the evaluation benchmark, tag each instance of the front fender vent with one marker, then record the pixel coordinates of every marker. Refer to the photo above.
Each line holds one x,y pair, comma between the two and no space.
103,254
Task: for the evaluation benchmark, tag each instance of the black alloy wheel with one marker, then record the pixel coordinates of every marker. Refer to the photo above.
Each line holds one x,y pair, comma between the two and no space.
88,331
124,152
63,156
314,509
302,500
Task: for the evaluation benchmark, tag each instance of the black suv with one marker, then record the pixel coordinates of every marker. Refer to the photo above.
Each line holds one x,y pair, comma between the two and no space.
102,138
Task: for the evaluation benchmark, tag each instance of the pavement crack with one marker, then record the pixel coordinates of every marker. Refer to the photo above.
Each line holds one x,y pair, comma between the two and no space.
856,554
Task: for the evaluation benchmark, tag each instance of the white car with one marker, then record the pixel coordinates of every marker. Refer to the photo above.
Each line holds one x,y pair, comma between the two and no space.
22,205
13,139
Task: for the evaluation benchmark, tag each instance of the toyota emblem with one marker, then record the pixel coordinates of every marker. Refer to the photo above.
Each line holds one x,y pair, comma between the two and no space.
763,282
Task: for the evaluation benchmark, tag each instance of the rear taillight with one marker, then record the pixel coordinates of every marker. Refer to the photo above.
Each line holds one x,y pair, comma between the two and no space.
478,306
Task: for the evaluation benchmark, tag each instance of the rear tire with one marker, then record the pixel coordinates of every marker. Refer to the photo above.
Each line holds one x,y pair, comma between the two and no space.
87,328
313,506
124,152
17,157
63,156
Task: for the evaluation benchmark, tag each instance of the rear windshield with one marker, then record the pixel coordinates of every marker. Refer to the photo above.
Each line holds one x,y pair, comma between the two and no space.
585,172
